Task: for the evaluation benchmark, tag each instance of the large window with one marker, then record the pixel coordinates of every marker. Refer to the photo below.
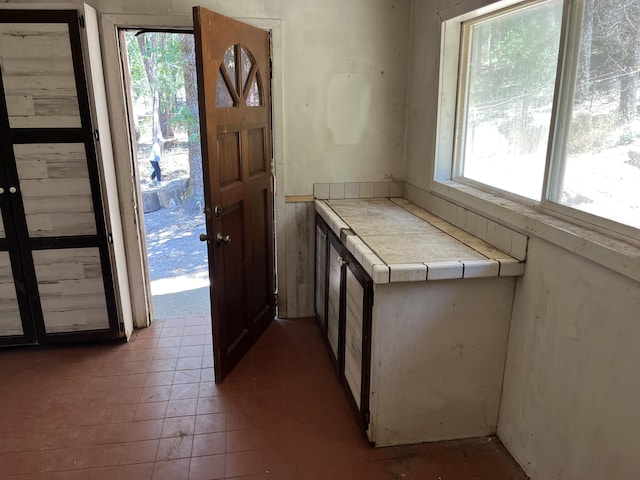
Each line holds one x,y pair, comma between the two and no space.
545,106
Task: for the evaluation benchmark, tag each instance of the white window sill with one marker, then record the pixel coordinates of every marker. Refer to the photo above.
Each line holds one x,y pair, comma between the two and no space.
618,253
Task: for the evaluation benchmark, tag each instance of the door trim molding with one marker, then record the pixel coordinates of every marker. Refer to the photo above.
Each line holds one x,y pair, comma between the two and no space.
130,197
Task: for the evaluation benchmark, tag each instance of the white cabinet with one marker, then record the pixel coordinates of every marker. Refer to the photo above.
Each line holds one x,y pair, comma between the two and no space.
334,307
320,276
353,331
425,361
346,325
60,241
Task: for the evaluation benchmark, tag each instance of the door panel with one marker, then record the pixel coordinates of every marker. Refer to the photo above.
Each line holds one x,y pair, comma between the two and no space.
229,158
320,281
232,281
333,305
56,193
233,67
38,75
353,336
257,151
71,289
10,319
259,274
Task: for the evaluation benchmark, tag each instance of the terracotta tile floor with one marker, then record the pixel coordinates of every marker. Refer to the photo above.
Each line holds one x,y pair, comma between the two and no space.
149,409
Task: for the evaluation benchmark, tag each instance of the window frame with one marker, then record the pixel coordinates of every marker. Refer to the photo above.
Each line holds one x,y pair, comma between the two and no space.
447,172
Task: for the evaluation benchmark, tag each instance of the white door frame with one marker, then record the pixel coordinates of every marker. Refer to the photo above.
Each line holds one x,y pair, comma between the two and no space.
126,168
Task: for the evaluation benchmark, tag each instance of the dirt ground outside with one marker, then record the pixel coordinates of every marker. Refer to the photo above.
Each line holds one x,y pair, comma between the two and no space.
178,263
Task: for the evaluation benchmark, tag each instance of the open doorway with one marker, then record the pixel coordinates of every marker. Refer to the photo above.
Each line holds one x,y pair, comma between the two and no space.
163,103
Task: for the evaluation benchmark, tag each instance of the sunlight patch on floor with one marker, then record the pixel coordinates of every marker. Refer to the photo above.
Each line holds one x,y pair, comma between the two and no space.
181,283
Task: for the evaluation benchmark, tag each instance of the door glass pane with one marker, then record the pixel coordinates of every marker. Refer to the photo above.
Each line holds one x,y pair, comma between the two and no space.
507,97
224,99
71,289
254,99
55,188
246,67
601,172
10,323
37,71
229,61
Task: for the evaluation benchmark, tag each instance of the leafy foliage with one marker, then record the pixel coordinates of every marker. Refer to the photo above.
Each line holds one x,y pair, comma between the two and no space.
139,83
515,56
157,65
163,77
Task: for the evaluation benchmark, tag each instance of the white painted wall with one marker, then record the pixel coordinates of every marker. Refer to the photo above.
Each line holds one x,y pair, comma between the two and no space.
335,53
338,59
572,384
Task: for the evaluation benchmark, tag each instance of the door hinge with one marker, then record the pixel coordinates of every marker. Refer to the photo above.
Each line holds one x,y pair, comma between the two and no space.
96,135
81,20
275,299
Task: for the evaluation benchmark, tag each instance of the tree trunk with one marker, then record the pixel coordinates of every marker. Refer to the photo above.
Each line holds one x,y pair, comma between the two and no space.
164,119
584,64
629,30
628,97
194,199
149,59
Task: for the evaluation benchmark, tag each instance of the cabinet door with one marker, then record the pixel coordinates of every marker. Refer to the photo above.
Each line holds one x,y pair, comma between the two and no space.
348,308
10,320
333,301
16,327
321,275
353,336
57,235
357,337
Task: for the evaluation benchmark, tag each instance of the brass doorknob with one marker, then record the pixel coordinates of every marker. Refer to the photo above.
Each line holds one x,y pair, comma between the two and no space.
220,238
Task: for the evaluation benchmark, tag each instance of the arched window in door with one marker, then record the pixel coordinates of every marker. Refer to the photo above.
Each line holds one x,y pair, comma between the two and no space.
239,81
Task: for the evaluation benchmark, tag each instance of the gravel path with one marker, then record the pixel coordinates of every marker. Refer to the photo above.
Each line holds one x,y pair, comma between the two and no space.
178,263
173,245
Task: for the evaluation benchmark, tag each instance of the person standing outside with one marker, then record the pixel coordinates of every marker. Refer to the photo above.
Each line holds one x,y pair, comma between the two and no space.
155,160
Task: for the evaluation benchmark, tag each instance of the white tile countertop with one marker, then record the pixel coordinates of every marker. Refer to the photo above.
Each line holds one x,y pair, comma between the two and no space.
397,241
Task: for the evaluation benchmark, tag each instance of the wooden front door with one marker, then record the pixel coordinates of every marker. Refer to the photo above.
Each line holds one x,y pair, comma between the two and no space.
233,64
